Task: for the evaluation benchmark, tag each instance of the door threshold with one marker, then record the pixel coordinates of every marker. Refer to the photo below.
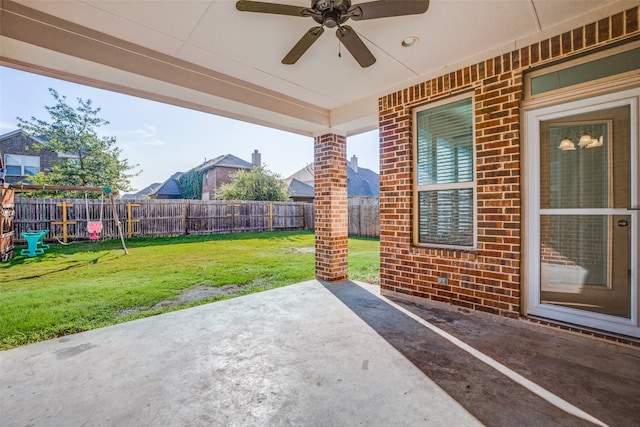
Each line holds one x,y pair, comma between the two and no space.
584,331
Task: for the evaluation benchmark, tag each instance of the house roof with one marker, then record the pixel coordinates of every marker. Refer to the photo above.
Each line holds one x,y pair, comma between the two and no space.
298,188
227,160
18,132
146,191
36,140
170,187
361,181
306,174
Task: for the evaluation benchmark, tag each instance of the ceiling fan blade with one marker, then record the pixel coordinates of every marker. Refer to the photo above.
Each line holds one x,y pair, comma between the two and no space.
387,8
355,46
275,8
303,44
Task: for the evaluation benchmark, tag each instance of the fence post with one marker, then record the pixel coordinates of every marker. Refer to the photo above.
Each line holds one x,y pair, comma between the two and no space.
233,213
65,222
270,215
185,223
130,220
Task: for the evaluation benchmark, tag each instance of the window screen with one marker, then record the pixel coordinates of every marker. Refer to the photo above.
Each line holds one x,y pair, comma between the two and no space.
445,179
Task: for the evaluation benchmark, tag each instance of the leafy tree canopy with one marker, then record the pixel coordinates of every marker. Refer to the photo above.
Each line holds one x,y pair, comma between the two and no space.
95,160
256,184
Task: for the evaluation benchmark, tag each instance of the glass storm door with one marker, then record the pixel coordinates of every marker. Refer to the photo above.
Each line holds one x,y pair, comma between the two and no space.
586,232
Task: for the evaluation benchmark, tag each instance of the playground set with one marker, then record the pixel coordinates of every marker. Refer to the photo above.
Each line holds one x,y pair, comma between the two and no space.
36,238
6,224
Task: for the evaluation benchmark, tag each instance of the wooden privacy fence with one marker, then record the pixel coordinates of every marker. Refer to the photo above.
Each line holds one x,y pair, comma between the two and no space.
364,220
156,218
66,219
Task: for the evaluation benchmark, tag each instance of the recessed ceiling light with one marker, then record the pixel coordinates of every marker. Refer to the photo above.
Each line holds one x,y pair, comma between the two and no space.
410,41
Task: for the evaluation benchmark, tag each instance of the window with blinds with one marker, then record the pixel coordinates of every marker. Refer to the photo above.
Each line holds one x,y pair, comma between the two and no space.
445,174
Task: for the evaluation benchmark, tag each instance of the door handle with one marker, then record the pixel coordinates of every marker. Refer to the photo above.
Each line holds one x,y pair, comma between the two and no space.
623,223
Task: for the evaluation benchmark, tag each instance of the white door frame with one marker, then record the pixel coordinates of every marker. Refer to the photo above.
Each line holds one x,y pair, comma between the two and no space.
531,213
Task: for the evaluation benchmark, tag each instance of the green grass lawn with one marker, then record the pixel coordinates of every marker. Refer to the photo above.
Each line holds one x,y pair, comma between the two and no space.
90,285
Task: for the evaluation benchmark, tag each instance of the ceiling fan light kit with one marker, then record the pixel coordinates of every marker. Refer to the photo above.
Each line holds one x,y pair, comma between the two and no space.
332,14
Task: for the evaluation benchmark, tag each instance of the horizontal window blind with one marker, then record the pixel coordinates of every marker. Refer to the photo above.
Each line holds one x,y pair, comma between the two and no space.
445,178
446,217
445,144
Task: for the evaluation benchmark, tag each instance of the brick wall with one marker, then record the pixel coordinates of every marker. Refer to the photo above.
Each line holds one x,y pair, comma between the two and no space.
218,176
18,144
486,279
331,207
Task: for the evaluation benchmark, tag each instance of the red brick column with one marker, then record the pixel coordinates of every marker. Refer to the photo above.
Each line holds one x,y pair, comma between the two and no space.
330,206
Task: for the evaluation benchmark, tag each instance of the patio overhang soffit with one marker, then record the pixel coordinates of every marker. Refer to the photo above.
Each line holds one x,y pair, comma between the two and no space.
206,55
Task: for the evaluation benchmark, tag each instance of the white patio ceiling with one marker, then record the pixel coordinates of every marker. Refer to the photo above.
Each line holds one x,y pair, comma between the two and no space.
206,55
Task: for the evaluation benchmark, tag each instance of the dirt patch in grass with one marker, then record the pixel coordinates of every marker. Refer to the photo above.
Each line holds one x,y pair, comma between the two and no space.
305,250
196,293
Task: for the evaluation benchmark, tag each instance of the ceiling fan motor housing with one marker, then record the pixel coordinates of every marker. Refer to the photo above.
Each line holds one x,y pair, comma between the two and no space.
330,12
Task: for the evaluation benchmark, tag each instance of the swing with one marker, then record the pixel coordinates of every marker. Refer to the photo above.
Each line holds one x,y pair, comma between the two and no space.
94,227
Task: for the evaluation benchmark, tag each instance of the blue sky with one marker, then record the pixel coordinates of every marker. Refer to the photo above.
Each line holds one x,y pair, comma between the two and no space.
164,139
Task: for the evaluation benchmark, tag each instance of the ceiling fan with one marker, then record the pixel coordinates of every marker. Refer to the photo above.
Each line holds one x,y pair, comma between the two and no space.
334,13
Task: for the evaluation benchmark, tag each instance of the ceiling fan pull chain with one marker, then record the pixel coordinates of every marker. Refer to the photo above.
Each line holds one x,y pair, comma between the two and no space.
339,49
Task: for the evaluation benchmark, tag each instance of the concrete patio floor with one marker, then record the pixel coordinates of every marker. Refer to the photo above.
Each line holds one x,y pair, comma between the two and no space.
320,355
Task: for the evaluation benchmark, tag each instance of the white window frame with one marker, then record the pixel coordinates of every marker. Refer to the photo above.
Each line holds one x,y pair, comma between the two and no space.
22,158
417,189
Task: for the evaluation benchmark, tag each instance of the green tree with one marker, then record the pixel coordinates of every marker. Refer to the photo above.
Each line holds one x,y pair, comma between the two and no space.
96,160
191,184
257,184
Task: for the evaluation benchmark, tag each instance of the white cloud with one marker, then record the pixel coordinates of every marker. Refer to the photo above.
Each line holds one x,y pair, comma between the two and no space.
147,131
146,135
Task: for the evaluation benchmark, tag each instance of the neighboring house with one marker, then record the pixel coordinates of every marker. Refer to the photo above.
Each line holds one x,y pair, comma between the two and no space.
511,186
306,175
144,193
217,172
20,162
363,185
170,189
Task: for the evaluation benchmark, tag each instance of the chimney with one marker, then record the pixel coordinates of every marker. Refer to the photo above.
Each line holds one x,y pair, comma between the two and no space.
354,163
256,159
